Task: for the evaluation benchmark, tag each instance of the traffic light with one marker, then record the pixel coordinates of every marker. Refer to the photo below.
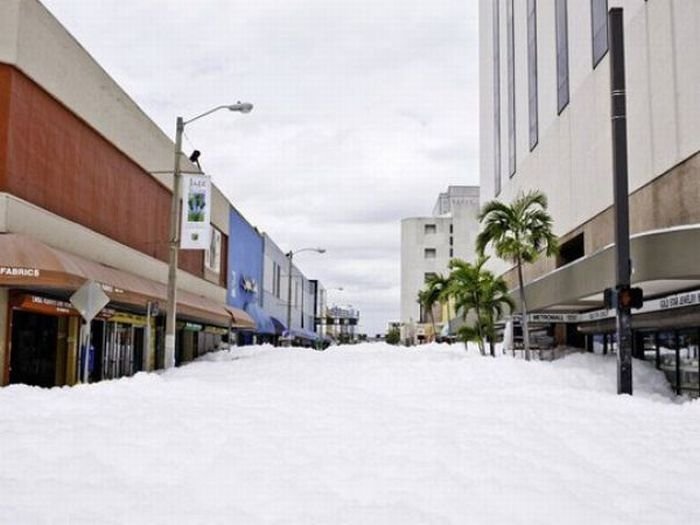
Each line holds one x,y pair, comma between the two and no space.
630,297
625,297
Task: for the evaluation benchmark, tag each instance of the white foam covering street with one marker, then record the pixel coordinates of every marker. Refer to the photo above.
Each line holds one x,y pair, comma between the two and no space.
365,434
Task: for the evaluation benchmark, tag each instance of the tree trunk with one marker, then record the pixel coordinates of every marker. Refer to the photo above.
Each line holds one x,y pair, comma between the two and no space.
523,312
432,321
479,332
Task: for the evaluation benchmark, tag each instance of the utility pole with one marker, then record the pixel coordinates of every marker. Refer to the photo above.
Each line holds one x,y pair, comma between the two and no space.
289,294
618,115
169,356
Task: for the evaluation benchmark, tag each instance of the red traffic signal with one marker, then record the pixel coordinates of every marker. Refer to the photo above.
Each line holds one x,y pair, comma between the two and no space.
626,298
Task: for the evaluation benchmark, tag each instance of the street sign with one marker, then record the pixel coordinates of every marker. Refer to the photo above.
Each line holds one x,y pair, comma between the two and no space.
89,300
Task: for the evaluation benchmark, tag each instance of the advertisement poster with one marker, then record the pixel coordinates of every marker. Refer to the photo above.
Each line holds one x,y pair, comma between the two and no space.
196,211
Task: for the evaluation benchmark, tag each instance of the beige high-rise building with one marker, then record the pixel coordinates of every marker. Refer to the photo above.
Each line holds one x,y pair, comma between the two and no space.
545,124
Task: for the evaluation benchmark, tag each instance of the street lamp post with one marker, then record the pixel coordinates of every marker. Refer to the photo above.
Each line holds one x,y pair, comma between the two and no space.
290,256
171,311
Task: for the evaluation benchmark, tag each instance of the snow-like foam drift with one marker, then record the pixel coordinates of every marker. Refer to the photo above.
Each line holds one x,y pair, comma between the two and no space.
365,434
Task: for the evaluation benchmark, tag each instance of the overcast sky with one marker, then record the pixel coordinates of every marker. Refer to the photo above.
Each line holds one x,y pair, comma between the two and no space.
364,111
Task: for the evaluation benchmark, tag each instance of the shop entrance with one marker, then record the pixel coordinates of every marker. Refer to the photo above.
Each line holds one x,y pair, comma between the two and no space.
123,350
33,353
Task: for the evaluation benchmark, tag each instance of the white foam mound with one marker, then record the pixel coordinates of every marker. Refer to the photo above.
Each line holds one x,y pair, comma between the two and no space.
368,434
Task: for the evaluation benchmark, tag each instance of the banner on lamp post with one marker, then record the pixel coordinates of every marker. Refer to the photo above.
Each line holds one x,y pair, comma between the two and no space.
196,212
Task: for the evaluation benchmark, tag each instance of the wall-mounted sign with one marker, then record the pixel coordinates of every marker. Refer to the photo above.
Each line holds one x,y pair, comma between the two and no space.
212,256
248,284
12,271
196,212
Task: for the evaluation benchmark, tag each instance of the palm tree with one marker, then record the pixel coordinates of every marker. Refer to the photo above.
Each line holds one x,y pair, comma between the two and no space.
464,287
518,233
435,291
477,289
494,299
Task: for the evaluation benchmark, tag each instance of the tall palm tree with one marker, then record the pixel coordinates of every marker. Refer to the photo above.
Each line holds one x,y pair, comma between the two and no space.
435,291
518,232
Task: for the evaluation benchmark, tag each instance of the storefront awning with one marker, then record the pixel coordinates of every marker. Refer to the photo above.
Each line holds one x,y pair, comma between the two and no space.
262,320
280,327
305,334
30,264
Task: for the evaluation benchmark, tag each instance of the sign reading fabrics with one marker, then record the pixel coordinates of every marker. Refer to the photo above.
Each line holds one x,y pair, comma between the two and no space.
196,211
212,256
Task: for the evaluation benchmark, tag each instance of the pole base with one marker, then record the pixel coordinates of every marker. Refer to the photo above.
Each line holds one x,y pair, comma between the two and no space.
169,356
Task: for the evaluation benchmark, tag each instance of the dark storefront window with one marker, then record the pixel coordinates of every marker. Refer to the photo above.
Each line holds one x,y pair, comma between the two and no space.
33,360
599,29
562,31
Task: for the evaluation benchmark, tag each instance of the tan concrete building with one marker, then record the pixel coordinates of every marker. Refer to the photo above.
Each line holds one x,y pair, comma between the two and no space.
545,124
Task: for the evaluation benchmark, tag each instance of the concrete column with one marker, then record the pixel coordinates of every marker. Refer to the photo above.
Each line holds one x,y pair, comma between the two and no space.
4,335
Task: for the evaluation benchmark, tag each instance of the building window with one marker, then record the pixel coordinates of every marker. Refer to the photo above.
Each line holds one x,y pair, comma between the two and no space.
562,31
428,275
571,250
452,228
212,256
430,228
599,29
496,99
276,279
452,252
532,71
452,241
510,57
430,253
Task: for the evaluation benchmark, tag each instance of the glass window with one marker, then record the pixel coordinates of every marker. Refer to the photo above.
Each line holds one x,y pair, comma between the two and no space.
562,31
428,275
430,228
510,53
496,99
430,253
599,29
532,71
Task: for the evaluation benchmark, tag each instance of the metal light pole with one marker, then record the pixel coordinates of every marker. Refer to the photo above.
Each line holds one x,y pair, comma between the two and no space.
290,256
618,115
171,310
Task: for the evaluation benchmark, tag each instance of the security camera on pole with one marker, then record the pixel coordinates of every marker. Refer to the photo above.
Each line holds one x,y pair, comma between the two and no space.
195,218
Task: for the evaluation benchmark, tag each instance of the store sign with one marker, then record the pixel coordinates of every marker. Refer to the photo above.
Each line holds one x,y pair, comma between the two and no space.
196,212
212,256
12,271
553,318
249,285
676,301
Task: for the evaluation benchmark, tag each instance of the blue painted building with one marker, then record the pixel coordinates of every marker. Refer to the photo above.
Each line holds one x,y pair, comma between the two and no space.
245,282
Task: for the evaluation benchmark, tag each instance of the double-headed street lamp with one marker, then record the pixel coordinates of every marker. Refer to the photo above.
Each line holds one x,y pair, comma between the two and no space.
242,107
290,255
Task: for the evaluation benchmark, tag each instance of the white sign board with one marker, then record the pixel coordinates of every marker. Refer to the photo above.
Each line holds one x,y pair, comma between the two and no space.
196,212
89,300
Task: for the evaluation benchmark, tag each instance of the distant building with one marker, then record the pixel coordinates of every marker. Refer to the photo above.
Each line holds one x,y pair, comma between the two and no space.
341,323
427,246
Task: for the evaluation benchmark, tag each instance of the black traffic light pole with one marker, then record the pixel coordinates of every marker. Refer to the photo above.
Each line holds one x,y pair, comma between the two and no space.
618,113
